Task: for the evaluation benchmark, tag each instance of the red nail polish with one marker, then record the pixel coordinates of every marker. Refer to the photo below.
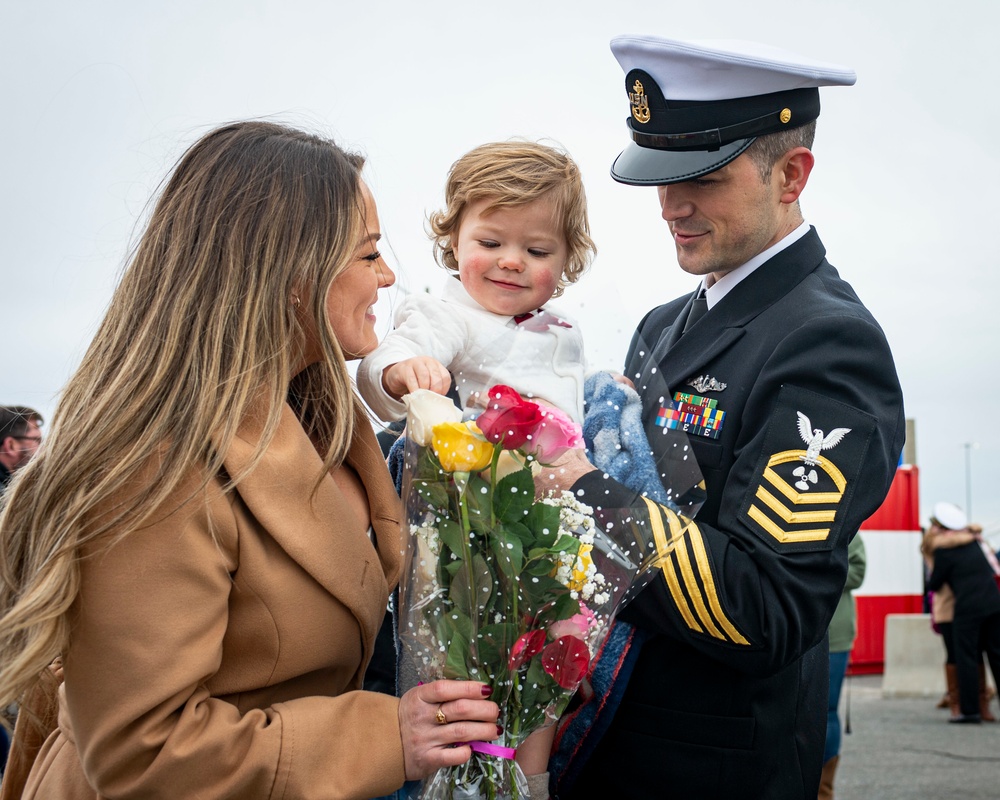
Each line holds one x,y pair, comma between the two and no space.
487,691
499,730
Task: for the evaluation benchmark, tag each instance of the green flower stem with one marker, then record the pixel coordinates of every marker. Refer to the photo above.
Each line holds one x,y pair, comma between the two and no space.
463,505
516,728
497,449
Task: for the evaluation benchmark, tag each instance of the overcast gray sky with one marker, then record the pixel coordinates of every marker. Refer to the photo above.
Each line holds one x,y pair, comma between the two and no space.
100,98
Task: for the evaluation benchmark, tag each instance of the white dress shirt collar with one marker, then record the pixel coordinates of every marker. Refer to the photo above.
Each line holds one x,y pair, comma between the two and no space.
727,282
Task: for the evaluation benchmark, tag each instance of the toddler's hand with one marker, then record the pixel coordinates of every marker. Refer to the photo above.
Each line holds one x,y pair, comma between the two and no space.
421,372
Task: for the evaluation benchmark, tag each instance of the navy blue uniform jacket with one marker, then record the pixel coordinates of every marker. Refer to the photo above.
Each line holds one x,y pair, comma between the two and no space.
728,698
968,573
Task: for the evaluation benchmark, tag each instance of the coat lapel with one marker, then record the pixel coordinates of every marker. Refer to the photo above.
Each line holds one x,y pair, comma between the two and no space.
725,324
321,532
384,506
696,348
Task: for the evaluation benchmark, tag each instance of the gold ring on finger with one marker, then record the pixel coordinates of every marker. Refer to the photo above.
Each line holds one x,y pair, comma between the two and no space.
440,717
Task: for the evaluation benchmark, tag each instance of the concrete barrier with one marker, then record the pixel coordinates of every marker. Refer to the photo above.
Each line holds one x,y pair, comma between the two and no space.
914,658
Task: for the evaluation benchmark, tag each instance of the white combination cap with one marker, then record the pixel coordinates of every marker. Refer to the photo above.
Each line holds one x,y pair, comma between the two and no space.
949,516
695,106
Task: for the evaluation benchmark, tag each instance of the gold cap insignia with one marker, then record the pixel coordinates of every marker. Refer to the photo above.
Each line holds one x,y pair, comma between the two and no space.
785,116
640,103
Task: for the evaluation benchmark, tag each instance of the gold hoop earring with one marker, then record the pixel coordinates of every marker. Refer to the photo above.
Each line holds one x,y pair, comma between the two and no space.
295,301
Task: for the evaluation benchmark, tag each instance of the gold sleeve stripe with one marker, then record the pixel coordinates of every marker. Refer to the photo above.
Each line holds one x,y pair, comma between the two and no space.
693,535
793,517
667,566
761,519
705,568
687,571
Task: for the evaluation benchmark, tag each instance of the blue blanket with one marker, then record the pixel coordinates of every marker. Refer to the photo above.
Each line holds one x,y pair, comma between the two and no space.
616,441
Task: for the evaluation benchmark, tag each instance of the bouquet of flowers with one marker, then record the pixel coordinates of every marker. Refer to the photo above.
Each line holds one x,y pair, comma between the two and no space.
502,586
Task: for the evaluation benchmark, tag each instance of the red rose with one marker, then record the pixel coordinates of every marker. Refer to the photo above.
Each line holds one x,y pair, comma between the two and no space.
525,647
509,418
566,660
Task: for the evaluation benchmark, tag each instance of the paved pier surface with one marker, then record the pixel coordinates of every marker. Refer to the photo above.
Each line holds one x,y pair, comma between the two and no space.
902,748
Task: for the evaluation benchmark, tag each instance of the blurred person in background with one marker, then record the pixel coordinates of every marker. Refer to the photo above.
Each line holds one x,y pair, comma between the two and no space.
843,630
20,437
965,563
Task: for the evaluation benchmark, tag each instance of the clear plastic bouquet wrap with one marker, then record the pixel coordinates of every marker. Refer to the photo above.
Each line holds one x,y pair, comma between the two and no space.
498,585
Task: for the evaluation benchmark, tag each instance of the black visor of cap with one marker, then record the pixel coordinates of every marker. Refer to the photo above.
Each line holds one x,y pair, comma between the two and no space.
675,141
644,166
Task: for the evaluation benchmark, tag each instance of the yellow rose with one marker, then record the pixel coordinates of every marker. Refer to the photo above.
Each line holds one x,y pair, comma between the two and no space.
460,447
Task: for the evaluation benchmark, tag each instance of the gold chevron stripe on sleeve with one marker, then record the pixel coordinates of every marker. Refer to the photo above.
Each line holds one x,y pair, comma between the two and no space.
815,498
815,535
667,566
793,517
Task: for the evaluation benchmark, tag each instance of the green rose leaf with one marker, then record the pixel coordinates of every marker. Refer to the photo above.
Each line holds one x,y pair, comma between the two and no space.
455,665
452,535
522,532
566,544
539,563
454,632
434,493
564,607
514,496
509,555
539,592
543,520
494,642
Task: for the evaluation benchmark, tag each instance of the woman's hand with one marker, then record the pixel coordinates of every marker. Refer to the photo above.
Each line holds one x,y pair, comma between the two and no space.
429,740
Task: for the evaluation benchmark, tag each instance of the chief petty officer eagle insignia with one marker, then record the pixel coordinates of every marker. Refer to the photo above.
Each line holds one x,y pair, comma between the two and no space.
815,442
796,501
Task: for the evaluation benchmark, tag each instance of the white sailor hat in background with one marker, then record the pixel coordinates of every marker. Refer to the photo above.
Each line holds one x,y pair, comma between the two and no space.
695,106
950,516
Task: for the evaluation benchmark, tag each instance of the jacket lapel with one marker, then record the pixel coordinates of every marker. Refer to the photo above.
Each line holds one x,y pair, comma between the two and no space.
384,506
321,532
725,324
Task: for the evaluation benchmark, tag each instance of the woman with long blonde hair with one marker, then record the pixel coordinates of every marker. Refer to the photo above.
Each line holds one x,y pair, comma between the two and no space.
202,550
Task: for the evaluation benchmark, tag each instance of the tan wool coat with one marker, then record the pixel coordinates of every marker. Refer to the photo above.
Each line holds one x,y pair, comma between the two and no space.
231,667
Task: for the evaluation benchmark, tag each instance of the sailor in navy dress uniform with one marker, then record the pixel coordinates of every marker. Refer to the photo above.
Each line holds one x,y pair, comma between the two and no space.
786,389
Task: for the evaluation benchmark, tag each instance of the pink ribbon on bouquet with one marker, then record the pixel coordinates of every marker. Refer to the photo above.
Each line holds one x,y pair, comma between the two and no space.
493,749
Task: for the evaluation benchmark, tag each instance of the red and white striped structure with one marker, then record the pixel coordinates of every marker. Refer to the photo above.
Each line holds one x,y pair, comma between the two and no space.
894,571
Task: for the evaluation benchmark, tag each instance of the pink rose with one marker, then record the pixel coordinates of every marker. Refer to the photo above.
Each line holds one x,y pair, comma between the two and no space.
509,418
556,434
578,625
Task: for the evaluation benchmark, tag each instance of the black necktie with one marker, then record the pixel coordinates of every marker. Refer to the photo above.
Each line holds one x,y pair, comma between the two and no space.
698,308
